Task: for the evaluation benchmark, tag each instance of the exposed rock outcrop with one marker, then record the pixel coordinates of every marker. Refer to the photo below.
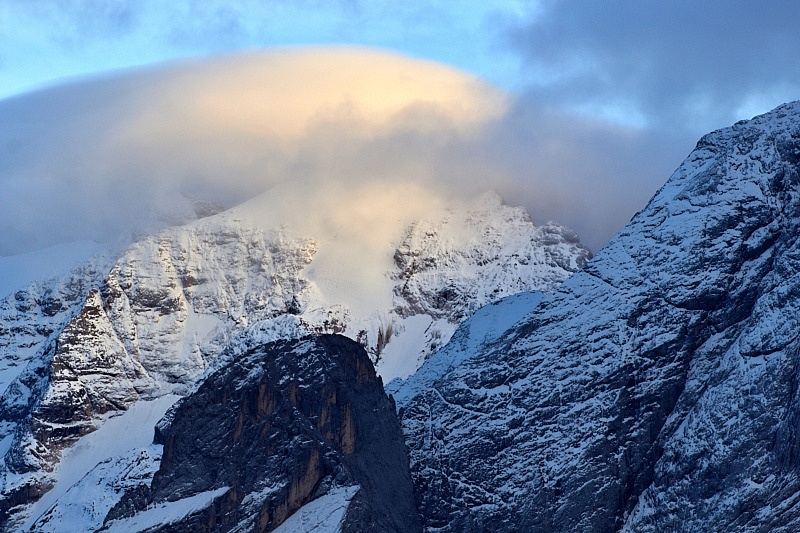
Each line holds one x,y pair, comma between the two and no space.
86,372
283,425
155,320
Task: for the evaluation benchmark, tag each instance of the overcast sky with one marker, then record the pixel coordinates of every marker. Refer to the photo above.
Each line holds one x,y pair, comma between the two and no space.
605,98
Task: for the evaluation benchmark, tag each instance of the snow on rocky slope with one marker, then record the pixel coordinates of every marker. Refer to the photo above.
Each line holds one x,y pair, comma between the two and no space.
152,321
656,390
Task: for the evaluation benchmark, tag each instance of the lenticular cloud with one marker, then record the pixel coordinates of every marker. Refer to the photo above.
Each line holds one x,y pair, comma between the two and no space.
108,158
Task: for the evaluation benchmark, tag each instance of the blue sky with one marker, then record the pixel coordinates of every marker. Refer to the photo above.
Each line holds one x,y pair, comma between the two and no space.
607,97
646,63
45,41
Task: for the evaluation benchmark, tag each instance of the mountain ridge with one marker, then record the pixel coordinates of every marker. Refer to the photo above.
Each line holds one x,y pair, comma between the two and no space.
654,389
595,412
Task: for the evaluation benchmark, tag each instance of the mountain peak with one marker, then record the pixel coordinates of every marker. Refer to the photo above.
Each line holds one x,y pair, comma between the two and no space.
649,392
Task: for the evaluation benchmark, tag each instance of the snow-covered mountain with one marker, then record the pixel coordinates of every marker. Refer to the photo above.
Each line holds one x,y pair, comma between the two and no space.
656,390
126,333
653,390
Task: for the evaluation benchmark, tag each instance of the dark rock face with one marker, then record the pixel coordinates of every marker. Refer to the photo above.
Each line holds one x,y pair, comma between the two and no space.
654,391
280,427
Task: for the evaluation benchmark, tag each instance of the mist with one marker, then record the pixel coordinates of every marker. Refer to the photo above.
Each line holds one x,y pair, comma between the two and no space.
111,158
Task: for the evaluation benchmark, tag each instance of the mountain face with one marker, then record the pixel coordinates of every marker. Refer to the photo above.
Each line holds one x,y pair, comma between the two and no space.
446,270
656,390
285,424
115,341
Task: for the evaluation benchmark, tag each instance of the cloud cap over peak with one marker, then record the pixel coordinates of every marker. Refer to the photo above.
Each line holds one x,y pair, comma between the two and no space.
103,156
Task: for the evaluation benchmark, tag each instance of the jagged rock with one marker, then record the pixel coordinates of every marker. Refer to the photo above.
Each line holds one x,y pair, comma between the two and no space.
155,319
284,425
653,391
30,316
84,374
449,268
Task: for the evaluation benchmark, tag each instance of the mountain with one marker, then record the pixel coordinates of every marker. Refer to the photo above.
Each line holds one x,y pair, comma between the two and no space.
656,389
653,390
116,341
286,424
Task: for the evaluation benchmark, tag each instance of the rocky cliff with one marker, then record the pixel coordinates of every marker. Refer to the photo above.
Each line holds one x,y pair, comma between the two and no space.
656,390
284,425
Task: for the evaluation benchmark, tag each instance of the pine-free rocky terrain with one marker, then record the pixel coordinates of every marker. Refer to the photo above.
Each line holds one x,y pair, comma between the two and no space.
204,380
116,341
656,390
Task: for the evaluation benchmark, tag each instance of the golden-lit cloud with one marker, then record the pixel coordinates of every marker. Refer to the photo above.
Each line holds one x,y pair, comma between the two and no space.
128,150
285,94
334,135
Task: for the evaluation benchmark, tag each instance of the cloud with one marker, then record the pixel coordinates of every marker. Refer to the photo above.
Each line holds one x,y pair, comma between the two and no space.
69,23
590,174
125,153
122,154
681,64
616,94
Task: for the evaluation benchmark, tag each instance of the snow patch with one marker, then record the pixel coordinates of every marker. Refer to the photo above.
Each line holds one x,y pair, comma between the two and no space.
166,513
117,437
397,360
323,515
486,326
